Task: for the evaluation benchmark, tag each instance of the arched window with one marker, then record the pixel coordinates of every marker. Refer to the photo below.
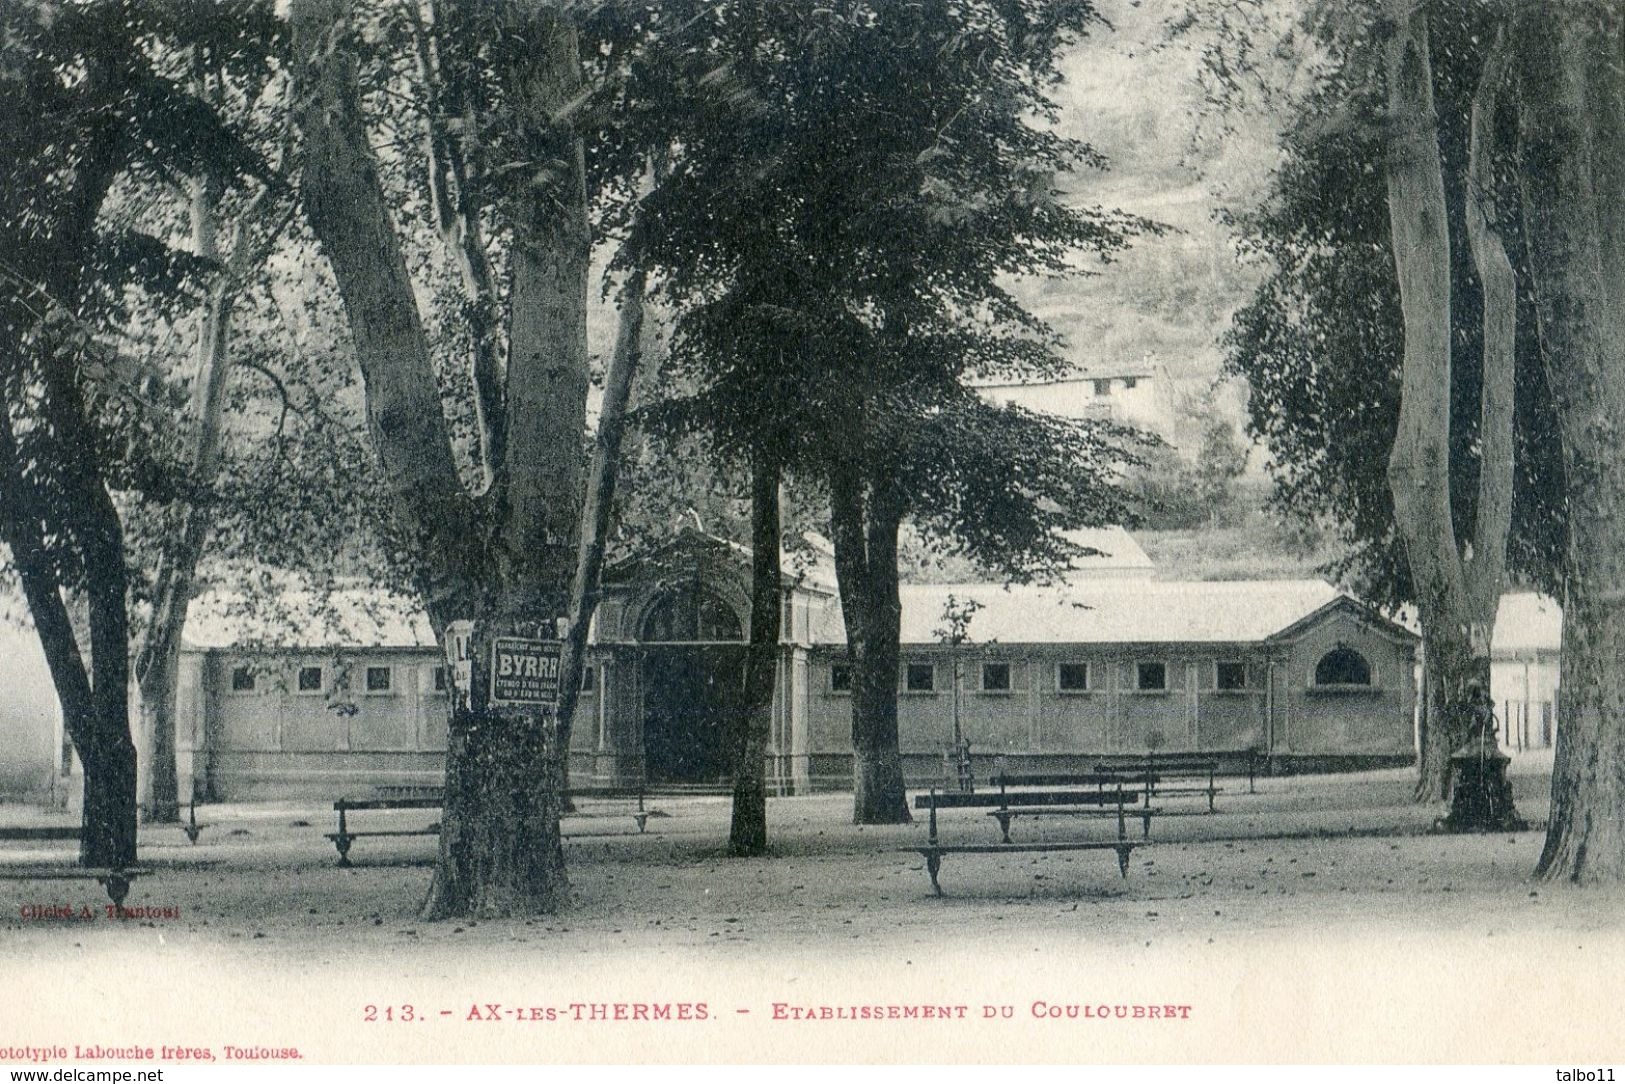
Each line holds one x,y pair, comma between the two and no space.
1342,666
690,612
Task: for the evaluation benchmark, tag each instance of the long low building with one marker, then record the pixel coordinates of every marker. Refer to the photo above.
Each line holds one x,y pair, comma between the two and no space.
1058,676
1106,664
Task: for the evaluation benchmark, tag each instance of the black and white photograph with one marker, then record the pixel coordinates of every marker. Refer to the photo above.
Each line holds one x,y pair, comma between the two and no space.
768,532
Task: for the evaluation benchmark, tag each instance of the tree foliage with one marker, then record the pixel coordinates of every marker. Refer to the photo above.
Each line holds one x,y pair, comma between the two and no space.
851,189
132,118
1320,343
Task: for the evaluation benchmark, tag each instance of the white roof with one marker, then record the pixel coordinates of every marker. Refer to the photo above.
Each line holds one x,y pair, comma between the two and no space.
1107,611
1118,553
350,617
1527,622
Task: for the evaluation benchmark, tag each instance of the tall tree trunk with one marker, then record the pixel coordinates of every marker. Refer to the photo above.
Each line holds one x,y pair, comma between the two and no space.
1456,597
1570,173
747,834
1484,566
89,711
1451,665
344,204
505,563
95,702
865,520
109,821
501,851
157,683
601,478
1419,465
157,656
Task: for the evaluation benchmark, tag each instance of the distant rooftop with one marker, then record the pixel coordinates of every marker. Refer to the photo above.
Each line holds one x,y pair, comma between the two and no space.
1527,622
1108,611
350,617
1117,553
1137,370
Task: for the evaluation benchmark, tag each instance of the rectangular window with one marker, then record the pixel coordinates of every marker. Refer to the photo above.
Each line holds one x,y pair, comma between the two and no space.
378,679
1130,382
1103,387
1230,676
1151,677
310,679
242,679
440,679
840,678
921,677
589,679
995,677
1072,677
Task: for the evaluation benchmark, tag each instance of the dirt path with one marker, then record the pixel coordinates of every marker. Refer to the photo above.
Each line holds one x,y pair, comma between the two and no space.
1355,937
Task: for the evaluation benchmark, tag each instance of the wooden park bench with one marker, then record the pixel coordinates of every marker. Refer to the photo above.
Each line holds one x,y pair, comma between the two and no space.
116,881
345,836
1155,772
1158,769
38,833
1071,794
57,832
1007,804
433,797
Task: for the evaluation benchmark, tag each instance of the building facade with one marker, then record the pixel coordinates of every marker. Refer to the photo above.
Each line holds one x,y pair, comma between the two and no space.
1525,667
33,765
1133,394
1059,677
1103,665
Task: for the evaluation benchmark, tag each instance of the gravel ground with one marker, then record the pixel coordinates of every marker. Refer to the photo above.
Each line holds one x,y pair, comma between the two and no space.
1316,920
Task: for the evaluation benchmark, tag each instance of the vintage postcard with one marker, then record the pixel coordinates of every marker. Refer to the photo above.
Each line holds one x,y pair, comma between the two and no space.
873,532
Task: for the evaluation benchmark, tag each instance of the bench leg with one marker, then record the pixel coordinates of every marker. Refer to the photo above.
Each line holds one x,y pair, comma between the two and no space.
1003,817
117,884
343,839
933,857
1145,825
1123,851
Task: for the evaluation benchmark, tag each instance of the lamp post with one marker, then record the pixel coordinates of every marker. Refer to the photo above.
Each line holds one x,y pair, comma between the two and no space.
954,632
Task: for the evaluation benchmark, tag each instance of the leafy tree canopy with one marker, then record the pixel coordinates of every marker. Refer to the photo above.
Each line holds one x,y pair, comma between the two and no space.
1320,343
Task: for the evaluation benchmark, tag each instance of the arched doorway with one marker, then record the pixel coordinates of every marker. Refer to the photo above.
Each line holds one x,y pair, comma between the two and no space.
693,674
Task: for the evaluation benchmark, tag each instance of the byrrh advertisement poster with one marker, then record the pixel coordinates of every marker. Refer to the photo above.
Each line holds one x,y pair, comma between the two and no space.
872,531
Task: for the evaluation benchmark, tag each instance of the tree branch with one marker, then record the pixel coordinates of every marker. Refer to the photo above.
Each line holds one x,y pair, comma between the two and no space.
457,218
1485,568
345,205
1419,465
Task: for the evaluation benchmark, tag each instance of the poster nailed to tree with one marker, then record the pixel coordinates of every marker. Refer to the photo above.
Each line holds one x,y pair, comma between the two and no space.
525,671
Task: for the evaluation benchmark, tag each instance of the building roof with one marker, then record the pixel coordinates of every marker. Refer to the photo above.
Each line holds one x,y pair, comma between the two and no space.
349,617
1107,611
1527,622
1136,370
1116,552
810,563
